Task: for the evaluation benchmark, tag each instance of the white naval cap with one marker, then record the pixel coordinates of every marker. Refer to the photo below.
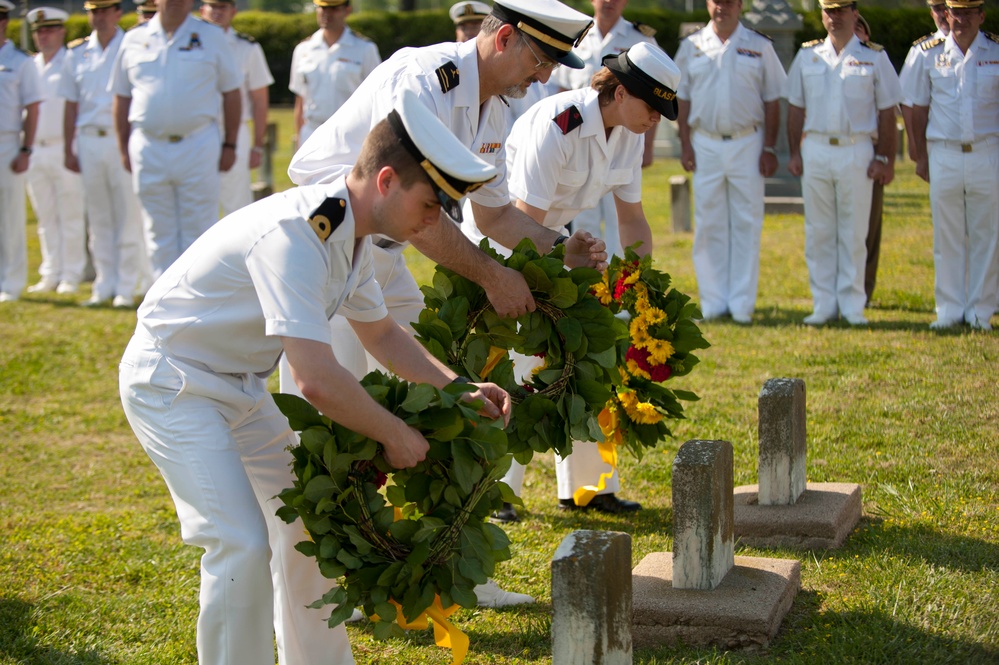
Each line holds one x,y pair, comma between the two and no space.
463,12
5,6
452,168
648,73
41,17
554,26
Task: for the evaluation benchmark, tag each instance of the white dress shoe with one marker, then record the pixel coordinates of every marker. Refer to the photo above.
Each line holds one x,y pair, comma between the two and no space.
491,595
816,319
979,324
355,616
65,288
744,319
43,286
7,297
943,324
123,302
94,301
855,319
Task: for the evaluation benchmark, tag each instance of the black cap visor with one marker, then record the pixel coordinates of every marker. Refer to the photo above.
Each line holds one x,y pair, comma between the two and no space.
643,86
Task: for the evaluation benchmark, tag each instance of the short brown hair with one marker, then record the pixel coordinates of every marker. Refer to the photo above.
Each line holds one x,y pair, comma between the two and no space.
382,148
606,85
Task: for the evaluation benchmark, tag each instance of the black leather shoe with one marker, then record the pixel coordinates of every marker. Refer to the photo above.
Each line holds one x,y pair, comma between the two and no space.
604,503
506,514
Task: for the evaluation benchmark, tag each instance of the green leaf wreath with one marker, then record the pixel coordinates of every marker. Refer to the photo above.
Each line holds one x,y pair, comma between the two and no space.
574,334
662,333
421,536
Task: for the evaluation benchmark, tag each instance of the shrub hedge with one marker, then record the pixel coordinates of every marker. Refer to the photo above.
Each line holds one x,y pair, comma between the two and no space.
278,34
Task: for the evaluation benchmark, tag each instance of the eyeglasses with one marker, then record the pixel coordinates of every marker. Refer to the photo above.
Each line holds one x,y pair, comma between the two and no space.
542,65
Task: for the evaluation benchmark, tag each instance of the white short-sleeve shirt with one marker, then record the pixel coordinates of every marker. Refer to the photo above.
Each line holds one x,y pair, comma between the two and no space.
259,274
910,57
20,85
727,83
326,76
86,73
961,89
842,93
561,160
174,82
252,65
51,110
445,78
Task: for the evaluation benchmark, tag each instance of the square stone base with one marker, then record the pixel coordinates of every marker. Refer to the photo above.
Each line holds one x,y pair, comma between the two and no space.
821,518
745,610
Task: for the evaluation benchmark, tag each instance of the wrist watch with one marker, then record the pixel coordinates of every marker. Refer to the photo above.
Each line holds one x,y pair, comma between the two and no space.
26,149
881,158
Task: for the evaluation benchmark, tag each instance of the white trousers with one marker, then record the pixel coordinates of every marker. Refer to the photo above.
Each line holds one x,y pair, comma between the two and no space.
178,189
221,444
728,221
235,190
837,196
116,243
55,194
589,220
964,199
13,220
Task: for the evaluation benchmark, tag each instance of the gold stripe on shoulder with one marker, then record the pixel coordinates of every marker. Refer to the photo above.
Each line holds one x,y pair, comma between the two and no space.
931,43
812,44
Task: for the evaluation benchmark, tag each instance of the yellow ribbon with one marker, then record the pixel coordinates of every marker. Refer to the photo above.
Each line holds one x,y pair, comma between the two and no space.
608,421
496,354
446,634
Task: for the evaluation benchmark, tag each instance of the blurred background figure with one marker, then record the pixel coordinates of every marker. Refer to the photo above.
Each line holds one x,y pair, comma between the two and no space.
327,67
467,17
144,10
20,96
54,190
114,225
256,78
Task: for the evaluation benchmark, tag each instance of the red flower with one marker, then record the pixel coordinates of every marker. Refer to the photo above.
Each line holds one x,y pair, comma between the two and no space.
380,479
619,286
659,373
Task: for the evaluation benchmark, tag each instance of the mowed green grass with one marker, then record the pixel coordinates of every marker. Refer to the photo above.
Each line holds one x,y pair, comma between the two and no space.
92,569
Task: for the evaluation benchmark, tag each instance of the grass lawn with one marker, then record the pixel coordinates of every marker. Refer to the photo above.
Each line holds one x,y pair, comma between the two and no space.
92,569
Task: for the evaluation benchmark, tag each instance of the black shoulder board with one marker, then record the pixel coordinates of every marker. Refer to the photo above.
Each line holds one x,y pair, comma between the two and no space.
327,217
568,119
923,39
991,37
873,46
812,44
243,35
646,30
77,42
765,36
931,43
447,74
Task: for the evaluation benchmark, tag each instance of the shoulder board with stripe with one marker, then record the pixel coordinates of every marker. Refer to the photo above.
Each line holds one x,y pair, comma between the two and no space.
923,39
812,44
447,76
646,30
931,43
568,119
327,217
363,38
77,42
873,46
244,36
765,36
991,37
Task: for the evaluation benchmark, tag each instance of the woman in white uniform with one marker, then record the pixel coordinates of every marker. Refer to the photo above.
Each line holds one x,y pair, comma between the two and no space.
563,155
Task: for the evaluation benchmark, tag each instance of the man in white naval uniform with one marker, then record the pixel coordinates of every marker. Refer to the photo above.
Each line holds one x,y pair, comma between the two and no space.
236,186
167,81
611,35
841,94
938,10
467,17
114,223
729,116
954,88
327,67
519,44
259,284
20,96
563,155
54,190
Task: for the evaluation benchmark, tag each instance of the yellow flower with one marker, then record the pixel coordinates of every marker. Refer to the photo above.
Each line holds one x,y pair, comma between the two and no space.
636,370
642,413
603,292
660,350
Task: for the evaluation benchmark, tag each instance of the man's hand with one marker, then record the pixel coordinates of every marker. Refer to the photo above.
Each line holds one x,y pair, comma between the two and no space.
794,166
256,157
508,293
20,163
407,450
495,401
583,250
768,164
923,168
227,158
687,158
126,163
879,172
71,161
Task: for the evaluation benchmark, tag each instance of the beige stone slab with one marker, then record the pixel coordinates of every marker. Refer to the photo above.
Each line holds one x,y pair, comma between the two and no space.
745,610
821,518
